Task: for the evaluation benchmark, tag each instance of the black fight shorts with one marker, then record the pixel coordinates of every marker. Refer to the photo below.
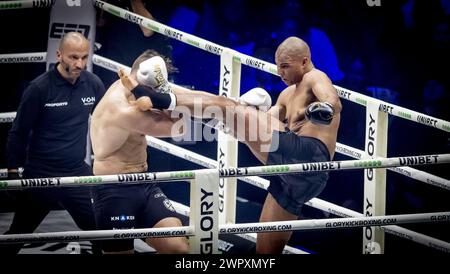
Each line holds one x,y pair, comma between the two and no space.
291,191
129,206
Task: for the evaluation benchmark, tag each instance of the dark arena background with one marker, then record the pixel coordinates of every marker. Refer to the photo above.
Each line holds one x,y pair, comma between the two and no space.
397,51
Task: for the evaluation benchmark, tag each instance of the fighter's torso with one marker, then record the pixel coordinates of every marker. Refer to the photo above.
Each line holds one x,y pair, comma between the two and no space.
296,99
116,149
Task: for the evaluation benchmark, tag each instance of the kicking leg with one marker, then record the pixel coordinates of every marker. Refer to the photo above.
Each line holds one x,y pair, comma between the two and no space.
169,245
249,125
273,242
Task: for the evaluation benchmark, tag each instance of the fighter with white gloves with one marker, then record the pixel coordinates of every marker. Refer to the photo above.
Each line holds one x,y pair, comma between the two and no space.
152,83
257,97
152,89
153,73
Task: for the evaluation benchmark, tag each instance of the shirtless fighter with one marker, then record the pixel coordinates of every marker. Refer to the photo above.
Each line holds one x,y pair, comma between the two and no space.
118,132
303,124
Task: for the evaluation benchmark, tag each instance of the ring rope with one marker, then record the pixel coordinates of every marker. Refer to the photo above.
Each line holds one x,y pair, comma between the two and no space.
343,149
330,223
257,181
8,5
406,171
70,236
342,92
391,229
394,109
369,97
315,202
199,159
151,177
184,37
109,64
7,117
185,210
17,58
265,66
399,231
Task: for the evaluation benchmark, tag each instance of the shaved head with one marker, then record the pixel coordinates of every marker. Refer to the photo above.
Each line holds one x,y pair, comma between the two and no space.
293,59
72,54
73,37
294,47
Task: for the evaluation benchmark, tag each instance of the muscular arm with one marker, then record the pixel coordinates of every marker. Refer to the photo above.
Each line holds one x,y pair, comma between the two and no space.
279,109
153,122
324,90
144,102
179,90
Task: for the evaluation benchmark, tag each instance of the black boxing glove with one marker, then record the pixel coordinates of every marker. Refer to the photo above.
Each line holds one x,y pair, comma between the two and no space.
320,113
159,100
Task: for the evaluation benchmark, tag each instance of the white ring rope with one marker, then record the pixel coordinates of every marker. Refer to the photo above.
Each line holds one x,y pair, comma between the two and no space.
184,37
7,117
254,180
70,236
150,177
391,229
185,210
199,159
401,112
265,66
262,183
330,223
342,92
394,109
7,5
315,202
406,171
343,149
109,64
16,58
257,181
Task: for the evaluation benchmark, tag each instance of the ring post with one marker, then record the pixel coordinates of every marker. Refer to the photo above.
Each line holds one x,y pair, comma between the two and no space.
227,145
375,179
204,212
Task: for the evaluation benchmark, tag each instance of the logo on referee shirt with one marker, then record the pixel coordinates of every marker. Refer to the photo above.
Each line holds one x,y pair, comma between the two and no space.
87,101
56,104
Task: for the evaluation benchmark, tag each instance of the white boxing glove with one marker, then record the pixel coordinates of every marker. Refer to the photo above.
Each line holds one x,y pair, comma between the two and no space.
257,97
153,73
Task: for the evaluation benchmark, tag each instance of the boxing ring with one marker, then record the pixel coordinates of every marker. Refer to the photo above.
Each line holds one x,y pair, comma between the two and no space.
205,226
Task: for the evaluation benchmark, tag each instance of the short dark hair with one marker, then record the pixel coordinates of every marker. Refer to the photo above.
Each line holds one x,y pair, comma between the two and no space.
149,54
